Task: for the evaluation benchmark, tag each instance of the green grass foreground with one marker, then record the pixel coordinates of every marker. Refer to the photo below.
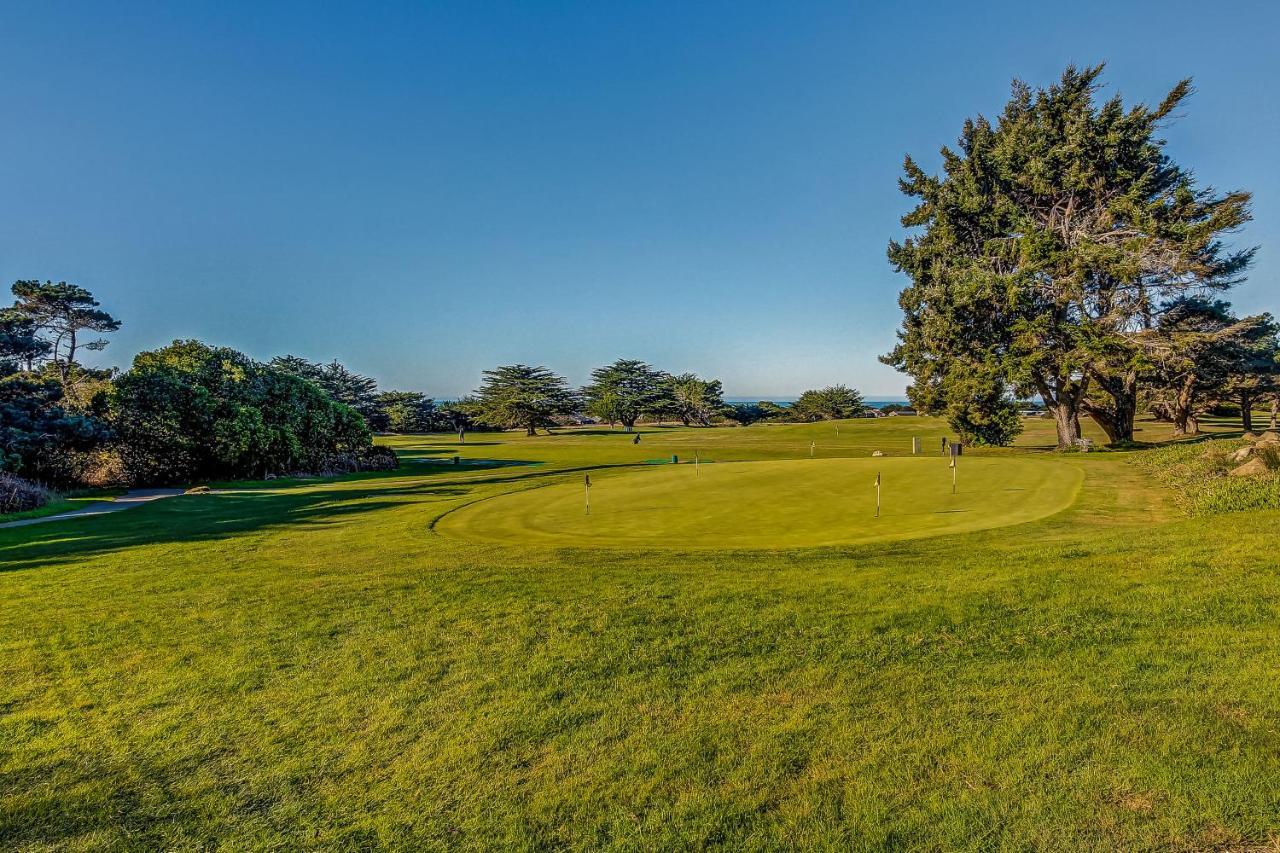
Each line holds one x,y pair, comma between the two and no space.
312,666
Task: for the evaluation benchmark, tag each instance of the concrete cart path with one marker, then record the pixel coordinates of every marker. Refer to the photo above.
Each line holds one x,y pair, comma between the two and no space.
130,499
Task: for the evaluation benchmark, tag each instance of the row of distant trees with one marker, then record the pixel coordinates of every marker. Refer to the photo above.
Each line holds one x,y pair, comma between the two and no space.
191,411
628,391
1062,254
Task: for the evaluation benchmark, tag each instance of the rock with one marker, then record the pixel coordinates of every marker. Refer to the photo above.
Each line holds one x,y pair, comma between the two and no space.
197,490
1250,436
878,453
1253,468
1270,436
1243,453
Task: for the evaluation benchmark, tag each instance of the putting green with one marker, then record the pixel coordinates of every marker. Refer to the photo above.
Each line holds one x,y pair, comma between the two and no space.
787,504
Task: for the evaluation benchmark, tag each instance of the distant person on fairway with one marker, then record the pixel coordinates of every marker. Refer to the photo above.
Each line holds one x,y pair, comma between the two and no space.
636,440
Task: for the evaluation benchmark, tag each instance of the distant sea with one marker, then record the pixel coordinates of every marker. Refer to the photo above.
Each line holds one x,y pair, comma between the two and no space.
875,403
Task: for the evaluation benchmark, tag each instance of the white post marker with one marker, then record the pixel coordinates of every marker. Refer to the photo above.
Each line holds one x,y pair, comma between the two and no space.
811,446
586,484
695,463
953,473
877,494
837,430
915,446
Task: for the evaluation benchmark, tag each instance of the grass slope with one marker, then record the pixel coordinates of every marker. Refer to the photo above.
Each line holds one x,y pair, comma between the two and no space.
310,667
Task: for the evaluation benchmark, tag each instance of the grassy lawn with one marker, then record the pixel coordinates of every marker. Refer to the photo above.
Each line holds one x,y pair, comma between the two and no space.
313,665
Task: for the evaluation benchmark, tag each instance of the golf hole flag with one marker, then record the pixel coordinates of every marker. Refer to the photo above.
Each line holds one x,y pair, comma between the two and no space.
586,485
877,494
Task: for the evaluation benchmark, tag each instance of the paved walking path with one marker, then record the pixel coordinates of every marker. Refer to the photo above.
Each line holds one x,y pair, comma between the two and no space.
130,499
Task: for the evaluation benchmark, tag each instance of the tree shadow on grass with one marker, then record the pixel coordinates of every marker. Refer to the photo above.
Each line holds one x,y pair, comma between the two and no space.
246,507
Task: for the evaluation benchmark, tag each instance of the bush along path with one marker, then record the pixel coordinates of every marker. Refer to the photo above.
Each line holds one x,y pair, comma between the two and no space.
130,499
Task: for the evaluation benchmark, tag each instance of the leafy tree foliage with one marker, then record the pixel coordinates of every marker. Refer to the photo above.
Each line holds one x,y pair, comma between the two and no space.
20,344
1199,348
979,409
750,413
343,385
61,313
1050,241
407,411
694,400
192,411
518,395
830,403
626,391
1256,374
36,429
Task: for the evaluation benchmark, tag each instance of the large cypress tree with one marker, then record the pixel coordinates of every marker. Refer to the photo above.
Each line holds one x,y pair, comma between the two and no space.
1051,240
517,395
626,391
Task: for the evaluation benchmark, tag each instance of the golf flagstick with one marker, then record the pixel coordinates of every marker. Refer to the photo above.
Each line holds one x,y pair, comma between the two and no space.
695,463
877,494
953,473
812,444
586,484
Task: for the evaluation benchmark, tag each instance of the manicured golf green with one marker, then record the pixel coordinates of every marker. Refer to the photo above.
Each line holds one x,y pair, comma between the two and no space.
773,504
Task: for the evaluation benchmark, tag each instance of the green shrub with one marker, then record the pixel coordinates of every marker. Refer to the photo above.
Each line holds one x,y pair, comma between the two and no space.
192,412
1197,474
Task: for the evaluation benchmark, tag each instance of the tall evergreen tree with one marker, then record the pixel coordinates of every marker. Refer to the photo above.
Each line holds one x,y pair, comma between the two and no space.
831,403
60,314
694,400
1198,348
1051,240
628,390
518,395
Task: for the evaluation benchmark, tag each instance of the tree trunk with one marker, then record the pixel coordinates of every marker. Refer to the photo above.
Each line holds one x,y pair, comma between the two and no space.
1184,418
1116,419
1062,399
1066,419
629,425
532,429
1275,410
1246,411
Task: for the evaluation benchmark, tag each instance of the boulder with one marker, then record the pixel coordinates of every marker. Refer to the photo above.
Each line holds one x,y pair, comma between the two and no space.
1253,468
1270,436
197,490
1242,453
1250,436
878,453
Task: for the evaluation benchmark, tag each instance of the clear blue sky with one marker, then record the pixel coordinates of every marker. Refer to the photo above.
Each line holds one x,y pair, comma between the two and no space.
424,190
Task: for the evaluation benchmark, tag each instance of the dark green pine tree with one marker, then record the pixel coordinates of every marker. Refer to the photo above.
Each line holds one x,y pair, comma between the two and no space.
518,395
1050,241
626,391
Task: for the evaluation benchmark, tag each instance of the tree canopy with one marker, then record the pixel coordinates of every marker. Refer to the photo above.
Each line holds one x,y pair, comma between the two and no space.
192,411
62,313
1051,240
694,400
518,395
342,385
626,391
831,403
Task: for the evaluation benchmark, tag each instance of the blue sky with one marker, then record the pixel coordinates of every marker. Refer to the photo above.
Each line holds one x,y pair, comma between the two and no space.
424,190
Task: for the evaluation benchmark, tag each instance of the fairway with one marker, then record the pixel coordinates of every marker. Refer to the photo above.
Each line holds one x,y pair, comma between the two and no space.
772,504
